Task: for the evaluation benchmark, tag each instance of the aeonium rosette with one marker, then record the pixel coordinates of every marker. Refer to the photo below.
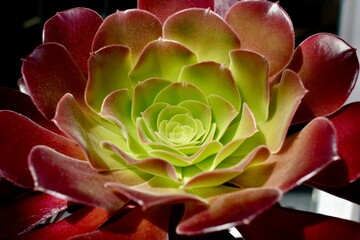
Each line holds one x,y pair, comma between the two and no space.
180,106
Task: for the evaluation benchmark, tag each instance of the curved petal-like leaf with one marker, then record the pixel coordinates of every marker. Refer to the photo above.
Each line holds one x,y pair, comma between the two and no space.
89,130
156,166
347,125
75,180
201,30
144,95
80,222
219,176
162,59
18,135
213,78
178,92
168,7
264,27
14,100
125,28
227,210
347,170
204,152
250,72
285,99
49,72
108,71
156,191
328,67
223,113
302,156
281,223
22,214
74,29
137,224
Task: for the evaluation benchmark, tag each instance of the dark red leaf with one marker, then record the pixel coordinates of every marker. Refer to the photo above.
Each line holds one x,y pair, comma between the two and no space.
24,213
164,8
281,223
83,221
74,29
137,224
328,67
49,72
18,135
14,100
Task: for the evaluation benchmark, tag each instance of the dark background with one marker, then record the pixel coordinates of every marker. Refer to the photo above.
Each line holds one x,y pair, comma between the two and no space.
22,21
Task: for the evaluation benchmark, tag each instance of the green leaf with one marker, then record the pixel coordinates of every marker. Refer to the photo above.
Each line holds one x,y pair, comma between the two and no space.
203,32
161,59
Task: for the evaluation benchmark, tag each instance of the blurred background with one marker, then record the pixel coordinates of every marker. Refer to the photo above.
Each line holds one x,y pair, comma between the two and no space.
21,32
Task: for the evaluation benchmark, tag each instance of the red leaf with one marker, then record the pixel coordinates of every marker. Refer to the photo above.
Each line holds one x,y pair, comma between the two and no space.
74,29
341,178
125,28
24,213
264,27
281,223
82,221
227,210
79,182
302,156
328,67
14,100
164,8
18,135
49,72
137,224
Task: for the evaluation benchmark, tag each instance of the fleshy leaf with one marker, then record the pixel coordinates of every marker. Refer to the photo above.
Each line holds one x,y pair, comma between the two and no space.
155,166
156,191
108,71
14,100
264,27
117,107
328,67
124,28
18,135
178,92
89,131
227,210
74,29
80,222
298,225
205,151
161,59
243,130
285,99
49,72
302,156
79,182
199,111
346,122
168,7
212,78
250,71
24,213
201,30
144,95
219,176
223,112
245,127
137,224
